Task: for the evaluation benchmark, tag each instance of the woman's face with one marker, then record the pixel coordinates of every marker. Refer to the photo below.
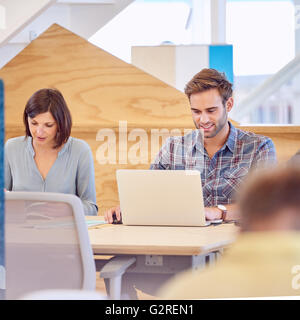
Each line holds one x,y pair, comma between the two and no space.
43,129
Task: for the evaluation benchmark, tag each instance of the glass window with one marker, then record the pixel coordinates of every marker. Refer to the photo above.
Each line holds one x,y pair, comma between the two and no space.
262,34
144,23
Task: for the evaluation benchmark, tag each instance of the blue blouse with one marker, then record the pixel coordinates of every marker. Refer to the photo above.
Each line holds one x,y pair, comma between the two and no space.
72,171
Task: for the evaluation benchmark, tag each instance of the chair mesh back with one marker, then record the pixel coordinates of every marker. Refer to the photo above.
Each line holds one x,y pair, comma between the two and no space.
42,247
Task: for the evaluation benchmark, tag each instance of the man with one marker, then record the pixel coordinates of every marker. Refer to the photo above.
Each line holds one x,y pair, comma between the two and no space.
264,260
223,153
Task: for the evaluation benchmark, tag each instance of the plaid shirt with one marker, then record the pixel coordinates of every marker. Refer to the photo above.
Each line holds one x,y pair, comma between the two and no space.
222,174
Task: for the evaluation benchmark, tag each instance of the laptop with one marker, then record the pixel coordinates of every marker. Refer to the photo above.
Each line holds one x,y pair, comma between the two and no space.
161,198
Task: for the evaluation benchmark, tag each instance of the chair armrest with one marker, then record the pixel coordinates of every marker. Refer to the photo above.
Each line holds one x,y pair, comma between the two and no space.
112,273
116,266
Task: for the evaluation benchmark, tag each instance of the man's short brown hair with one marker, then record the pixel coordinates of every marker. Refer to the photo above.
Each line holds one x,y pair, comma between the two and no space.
50,100
268,192
208,79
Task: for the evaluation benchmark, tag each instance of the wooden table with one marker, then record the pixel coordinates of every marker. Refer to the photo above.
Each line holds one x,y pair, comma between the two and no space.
161,251
186,241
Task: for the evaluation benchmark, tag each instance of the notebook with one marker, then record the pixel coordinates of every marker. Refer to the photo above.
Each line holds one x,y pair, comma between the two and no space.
161,198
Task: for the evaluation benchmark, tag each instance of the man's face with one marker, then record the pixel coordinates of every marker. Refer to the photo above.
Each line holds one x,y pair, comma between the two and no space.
208,112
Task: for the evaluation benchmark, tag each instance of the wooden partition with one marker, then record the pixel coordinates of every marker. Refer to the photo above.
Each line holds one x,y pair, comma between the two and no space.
285,137
119,110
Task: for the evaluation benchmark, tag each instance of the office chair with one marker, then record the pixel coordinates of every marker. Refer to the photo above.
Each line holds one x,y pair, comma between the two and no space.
47,244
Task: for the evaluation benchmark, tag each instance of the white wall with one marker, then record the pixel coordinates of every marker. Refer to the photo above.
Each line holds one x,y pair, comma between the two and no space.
17,13
83,19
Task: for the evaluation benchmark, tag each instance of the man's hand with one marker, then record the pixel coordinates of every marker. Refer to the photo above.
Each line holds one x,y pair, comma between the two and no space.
109,214
212,213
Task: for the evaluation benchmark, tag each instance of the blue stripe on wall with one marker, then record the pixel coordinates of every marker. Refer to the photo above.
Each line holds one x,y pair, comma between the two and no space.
2,248
221,59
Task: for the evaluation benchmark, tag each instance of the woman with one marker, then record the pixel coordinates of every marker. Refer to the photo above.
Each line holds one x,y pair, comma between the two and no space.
47,158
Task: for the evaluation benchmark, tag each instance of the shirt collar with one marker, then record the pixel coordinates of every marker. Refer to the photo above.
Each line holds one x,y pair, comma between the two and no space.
29,145
65,147
231,140
198,140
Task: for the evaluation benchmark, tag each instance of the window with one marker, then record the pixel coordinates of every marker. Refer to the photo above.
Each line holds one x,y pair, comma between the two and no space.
262,34
144,23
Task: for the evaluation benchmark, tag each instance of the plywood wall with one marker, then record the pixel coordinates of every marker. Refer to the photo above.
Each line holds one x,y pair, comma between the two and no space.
105,93
100,90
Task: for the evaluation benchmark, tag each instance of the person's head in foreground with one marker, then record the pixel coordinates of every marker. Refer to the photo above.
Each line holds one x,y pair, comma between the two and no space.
270,201
265,258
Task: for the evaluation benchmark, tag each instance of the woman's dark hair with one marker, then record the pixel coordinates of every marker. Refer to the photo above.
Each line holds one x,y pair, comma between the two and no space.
50,100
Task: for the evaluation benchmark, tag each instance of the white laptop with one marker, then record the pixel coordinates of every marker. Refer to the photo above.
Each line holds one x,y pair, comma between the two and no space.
161,197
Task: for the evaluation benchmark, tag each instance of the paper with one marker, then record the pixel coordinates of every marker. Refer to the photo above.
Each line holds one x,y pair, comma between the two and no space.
92,223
